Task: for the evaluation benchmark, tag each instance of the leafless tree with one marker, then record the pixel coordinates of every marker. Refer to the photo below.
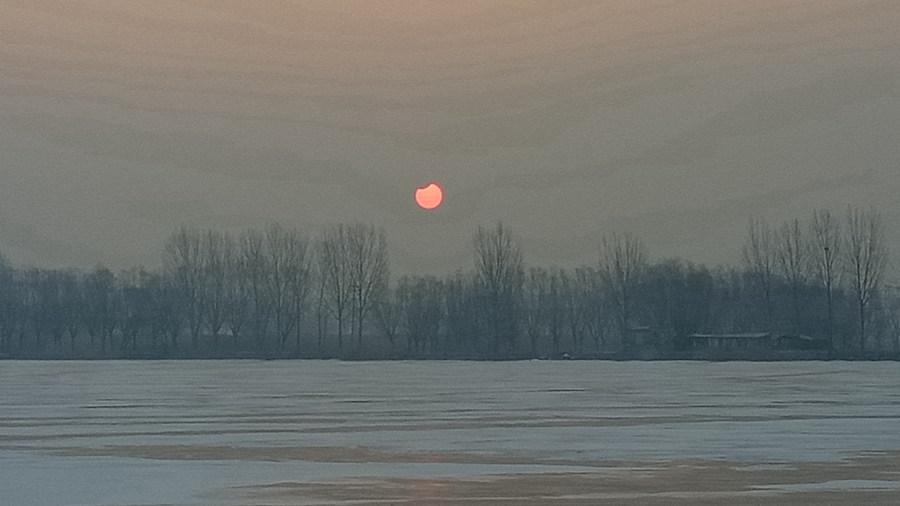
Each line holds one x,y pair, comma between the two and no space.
279,265
553,306
99,310
300,279
792,253
53,304
866,256
35,301
461,304
169,314
423,303
9,307
237,292
73,300
499,279
892,314
134,305
183,261
255,261
289,279
594,306
388,313
214,292
623,261
161,303
534,314
369,271
572,306
322,310
826,252
760,261
335,269
22,308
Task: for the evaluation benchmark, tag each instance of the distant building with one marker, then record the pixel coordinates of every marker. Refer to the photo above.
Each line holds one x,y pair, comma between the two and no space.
800,342
646,342
755,341
731,341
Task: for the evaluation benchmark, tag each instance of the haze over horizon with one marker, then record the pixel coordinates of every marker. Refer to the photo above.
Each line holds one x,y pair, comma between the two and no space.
675,121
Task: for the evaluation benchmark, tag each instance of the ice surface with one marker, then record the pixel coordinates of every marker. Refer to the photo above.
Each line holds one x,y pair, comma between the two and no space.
537,412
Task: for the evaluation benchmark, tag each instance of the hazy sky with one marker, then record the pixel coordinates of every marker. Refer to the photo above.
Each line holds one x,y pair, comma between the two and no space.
122,119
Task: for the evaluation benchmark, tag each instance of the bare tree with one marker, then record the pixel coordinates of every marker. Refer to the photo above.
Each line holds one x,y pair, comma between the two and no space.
134,305
499,278
826,252
536,287
255,261
214,291
335,269
159,301
288,279
388,313
760,260
572,306
21,308
623,260
423,305
36,302
553,306
53,302
9,309
168,310
73,301
237,293
594,306
300,278
892,315
866,257
369,271
321,304
99,311
183,261
461,303
792,253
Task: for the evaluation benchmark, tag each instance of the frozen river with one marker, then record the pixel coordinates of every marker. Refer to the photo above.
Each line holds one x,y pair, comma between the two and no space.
201,432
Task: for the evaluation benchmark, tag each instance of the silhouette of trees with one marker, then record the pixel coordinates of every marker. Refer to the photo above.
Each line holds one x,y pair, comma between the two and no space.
214,253
866,258
256,265
99,310
259,293
623,263
369,272
289,280
335,269
184,264
9,305
499,280
826,251
760,263
388,312
534,308
793,261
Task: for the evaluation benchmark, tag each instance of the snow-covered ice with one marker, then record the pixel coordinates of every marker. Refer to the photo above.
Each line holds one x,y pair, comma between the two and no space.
91,432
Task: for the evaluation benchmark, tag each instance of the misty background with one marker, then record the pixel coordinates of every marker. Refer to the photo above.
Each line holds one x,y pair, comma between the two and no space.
123,120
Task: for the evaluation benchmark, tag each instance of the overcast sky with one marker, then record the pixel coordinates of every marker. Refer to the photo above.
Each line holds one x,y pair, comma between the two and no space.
122,119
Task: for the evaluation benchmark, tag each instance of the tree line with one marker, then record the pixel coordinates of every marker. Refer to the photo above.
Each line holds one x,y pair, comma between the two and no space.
279,293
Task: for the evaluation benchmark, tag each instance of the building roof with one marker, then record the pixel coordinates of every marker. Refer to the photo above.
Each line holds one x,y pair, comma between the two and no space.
746,335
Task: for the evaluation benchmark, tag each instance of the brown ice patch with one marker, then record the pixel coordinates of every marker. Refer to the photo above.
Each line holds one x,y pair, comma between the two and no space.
338,454
870,479
333,427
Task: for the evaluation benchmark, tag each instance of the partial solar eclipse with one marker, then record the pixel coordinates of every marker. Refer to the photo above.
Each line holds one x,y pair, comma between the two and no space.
429,196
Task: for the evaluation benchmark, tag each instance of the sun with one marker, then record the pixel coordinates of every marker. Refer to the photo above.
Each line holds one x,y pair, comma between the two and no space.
429,196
